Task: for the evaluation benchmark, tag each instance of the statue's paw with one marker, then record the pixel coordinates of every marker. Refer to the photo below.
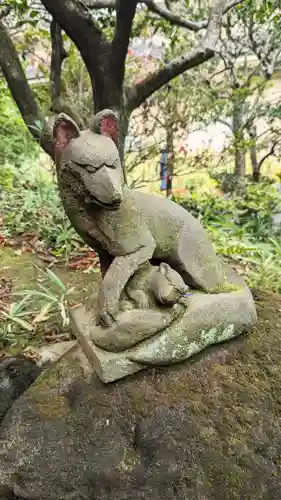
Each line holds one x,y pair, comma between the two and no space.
108,315
105,319
139,298
107,310
143,303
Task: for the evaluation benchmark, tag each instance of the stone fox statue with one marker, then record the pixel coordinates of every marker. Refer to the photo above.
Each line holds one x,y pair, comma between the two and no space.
126,227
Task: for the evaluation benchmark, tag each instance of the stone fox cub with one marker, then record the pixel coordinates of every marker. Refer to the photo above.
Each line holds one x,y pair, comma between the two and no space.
126,227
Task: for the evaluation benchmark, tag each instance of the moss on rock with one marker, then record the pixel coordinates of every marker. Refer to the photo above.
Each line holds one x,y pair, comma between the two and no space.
207,428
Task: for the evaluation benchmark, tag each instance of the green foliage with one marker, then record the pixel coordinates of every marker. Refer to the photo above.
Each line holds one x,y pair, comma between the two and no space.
241,230
30,203
30,308
252,212
19,6
234,84
76,88
227,181
261,11
16,143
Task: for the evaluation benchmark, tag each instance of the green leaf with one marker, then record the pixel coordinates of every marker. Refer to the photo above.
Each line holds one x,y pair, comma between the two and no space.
18,306
55,279
24,324
43,314
44,295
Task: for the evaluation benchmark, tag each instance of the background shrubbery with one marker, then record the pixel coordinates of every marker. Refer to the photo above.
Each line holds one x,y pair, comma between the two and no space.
241,226
30,203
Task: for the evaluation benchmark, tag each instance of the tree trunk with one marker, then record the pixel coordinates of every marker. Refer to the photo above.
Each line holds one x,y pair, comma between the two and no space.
170,156
22,92
239,147
58,55
254,157
169,145
255,165
124,118
108,95
240,163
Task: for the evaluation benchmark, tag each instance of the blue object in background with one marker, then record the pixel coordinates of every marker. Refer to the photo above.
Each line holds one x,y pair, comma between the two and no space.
164,178
164,157
163,170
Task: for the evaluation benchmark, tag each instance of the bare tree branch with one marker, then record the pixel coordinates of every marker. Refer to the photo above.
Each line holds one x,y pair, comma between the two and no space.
268,154
176,19
264,132
162,10
22,93
224,122
125,13
58,55
58,103
141,91
77,21
231,4
100,4
204,51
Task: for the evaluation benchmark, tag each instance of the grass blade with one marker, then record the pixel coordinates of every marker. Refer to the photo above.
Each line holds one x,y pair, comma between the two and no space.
55,279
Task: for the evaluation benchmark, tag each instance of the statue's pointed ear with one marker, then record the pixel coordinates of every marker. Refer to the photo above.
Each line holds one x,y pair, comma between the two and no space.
64,130
163,268
106,123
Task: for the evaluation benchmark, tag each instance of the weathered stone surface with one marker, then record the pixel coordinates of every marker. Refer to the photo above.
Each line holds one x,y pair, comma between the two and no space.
207,429
128,227
131,328
200,321
16,375
52,352
208,319
109,366
151,251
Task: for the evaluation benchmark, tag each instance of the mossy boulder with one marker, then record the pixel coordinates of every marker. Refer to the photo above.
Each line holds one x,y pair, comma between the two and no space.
207,429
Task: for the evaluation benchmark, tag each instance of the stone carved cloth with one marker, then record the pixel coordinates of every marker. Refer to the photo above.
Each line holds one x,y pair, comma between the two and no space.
161,335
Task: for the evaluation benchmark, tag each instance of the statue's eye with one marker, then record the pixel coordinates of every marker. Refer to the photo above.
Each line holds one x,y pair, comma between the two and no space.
90,168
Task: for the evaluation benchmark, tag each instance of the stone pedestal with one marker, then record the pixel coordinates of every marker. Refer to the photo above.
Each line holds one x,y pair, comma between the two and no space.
109,366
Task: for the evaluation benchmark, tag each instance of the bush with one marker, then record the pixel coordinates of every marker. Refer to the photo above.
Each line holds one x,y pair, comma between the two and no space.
251,212
240,226
241,230
227,181
30,203
16,143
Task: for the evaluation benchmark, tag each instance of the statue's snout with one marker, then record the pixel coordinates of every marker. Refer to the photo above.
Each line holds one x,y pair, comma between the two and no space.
108,186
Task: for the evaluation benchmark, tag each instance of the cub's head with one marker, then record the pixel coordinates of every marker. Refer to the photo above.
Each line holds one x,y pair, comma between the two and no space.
174,285
88,161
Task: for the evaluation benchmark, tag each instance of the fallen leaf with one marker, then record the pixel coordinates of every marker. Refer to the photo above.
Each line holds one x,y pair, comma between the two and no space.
74,306
42,316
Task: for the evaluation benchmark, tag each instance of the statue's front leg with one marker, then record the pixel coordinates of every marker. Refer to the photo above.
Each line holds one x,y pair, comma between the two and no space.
105,261
116,278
